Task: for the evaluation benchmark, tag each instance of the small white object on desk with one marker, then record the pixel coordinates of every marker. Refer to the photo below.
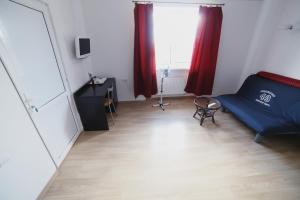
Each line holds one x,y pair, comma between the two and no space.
99,81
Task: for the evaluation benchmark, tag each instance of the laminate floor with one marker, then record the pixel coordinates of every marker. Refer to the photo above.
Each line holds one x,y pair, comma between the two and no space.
154,155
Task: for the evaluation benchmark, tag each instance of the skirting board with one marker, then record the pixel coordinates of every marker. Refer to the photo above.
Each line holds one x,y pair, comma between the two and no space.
68,148
43,192
64,155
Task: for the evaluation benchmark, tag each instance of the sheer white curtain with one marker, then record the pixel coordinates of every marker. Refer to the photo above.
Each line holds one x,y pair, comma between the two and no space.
174,35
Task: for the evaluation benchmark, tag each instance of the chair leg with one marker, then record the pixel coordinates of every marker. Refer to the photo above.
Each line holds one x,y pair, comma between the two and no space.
113,104
224,110
195,113
112,117
201,120
258,138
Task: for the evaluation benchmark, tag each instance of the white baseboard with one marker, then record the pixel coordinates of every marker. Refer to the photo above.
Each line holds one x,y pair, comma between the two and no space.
68,148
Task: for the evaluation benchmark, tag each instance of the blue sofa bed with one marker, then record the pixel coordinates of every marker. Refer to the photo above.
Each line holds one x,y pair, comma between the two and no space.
267,106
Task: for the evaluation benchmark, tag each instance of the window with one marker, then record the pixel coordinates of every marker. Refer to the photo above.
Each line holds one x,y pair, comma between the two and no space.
174,35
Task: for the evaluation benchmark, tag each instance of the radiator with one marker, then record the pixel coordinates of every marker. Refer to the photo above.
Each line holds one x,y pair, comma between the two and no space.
174,84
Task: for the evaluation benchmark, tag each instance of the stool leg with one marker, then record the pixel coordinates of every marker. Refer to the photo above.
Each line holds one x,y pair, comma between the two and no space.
195,113
258,138
201,120
112,117
113,104
203,116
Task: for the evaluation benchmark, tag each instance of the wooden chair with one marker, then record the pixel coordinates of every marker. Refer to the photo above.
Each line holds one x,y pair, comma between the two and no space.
109,102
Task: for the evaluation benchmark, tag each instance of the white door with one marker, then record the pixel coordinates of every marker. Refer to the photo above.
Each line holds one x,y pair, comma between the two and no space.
32,56
25,164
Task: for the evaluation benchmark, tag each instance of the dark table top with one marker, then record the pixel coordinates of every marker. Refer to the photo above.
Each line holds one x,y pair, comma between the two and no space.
98,90
207,103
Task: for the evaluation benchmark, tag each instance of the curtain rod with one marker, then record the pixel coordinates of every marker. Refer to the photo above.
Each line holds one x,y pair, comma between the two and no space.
180,2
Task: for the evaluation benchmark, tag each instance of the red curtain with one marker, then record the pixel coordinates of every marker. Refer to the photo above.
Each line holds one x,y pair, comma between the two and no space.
144,52
202,71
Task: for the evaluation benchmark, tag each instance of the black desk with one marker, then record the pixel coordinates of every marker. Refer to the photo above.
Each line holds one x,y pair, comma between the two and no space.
90,104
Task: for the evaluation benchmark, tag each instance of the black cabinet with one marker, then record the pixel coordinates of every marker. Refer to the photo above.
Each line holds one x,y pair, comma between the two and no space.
90,104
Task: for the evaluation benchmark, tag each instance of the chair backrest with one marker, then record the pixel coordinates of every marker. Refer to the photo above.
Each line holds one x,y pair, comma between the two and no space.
110,91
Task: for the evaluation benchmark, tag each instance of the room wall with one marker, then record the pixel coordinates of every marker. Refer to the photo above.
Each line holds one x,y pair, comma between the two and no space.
239,23
69,23
268,19
283,53
274,48
110,24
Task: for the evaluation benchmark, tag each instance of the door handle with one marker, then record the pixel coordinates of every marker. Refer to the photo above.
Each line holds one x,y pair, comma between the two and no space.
27,103
34,108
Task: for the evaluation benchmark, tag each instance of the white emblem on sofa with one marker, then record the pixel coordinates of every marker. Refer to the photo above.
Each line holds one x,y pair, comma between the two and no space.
265,97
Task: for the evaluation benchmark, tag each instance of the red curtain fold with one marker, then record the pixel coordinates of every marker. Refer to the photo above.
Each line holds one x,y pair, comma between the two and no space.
202,71
144,51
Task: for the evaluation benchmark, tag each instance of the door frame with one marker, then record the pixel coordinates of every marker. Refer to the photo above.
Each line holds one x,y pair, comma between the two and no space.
11,69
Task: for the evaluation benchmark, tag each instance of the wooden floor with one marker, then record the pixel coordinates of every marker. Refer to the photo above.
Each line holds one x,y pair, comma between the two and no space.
154,155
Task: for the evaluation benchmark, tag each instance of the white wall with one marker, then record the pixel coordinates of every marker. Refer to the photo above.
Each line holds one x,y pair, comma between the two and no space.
239,23
268,19
111,27
273,48
283,53
110,24
69,23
